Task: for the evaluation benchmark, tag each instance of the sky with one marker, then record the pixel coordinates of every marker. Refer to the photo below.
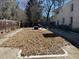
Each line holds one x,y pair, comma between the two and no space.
22,4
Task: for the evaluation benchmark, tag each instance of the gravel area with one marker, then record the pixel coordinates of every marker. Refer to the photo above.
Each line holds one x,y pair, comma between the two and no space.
32,42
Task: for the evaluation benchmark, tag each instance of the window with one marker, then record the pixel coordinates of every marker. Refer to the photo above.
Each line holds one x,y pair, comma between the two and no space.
71,21
62,10
57,22
57,12
72,7
63,21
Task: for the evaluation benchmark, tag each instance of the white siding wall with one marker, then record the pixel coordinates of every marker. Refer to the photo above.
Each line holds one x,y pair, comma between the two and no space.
67,13
76,13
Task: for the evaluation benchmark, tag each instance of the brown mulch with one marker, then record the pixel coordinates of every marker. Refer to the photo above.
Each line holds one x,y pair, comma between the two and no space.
32,42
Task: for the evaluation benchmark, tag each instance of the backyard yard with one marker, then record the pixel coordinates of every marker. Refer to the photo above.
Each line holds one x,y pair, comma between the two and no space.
32,42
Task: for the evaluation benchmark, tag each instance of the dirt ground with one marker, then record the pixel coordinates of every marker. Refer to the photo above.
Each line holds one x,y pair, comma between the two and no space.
32,42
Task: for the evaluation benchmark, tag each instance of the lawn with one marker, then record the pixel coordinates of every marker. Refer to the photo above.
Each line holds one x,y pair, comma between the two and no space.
32,42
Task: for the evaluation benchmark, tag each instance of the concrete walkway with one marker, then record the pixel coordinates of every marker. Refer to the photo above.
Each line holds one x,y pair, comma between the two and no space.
73,52
70,36
9,53
7,36
12,53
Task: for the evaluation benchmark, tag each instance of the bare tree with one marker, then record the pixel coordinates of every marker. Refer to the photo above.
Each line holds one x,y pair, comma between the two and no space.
51,5
47,6
33,11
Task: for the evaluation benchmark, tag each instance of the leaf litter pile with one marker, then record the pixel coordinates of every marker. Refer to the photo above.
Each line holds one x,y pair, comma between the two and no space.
32,42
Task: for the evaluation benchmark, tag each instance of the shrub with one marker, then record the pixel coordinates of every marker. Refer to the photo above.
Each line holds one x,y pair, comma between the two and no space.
65,27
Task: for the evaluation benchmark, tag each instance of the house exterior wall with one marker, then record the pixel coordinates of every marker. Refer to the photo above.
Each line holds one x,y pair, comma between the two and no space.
66,13
76,14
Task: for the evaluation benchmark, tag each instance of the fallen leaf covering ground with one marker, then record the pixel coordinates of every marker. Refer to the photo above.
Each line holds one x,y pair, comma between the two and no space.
32,42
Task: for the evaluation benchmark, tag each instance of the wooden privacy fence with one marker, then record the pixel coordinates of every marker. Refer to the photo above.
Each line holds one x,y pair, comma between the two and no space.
8,25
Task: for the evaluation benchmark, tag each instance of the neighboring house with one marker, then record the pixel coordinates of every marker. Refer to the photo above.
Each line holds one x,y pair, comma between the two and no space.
68,14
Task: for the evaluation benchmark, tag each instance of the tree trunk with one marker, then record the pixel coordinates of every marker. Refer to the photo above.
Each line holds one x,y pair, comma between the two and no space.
48,20
29,16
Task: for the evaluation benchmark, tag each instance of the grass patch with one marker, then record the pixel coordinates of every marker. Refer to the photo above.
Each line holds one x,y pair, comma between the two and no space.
32,42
